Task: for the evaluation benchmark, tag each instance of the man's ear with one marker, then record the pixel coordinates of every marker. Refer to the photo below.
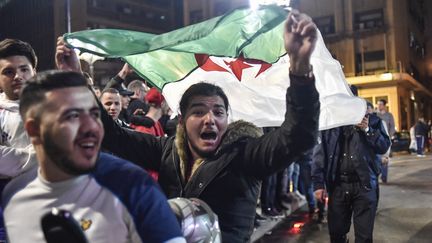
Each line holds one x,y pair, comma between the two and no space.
33,130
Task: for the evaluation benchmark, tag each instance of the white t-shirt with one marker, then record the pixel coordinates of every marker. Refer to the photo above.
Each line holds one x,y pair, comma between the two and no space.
118,202
101,215
11,125
16,151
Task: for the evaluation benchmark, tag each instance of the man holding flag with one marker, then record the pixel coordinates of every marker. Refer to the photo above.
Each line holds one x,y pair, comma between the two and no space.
219,163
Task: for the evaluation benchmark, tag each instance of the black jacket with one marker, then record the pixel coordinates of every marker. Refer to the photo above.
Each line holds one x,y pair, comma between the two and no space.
362,150
421,129
228,181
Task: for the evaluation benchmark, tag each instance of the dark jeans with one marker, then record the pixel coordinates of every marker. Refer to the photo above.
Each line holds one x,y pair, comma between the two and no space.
293,176
268,192
305,182
348,200
384,167
420,144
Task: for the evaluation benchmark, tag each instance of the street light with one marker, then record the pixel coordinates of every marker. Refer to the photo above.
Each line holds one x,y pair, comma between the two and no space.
254,4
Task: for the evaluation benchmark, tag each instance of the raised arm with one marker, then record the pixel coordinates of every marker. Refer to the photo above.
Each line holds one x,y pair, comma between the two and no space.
297,134
65,58
143,149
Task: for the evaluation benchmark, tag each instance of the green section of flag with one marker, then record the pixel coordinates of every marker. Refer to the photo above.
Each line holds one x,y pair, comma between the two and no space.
257,34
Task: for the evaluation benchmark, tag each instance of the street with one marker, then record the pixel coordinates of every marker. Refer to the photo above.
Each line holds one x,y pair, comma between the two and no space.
404,212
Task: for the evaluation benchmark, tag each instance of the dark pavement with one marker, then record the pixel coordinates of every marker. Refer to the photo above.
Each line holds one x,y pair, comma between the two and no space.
404,212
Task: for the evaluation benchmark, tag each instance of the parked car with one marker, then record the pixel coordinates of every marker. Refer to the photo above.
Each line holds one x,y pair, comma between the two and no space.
400,141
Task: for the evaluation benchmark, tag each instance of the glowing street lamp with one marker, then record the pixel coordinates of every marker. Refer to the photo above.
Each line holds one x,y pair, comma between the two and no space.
254,4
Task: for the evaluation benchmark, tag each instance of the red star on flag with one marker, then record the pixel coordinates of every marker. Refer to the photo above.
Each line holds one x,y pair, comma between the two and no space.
237,66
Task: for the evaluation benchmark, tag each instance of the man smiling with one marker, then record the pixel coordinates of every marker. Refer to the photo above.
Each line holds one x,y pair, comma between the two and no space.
219,163
114,200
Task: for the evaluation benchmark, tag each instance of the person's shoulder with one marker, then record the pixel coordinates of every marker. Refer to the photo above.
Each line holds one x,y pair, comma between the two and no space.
17,184
374,120
118,174
389,114
108,162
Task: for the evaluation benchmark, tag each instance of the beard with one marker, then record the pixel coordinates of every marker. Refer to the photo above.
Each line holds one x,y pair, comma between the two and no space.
202,154
60,157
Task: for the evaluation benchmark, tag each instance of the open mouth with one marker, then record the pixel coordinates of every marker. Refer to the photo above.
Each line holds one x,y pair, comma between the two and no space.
208,135
17,86
88,148
87,145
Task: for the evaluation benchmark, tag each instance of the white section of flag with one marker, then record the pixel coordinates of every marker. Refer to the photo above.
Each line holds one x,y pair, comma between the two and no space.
261,100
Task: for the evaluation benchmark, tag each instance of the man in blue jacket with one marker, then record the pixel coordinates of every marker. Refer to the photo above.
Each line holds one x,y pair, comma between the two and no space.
344,165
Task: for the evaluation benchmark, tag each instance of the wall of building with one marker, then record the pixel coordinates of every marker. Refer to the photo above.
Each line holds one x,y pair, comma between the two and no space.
199,10
390,94
18,21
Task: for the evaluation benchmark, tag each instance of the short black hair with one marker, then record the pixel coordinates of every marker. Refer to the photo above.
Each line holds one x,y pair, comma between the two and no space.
110,91
368,104
354,89
383,101
15,47
34,90
201,89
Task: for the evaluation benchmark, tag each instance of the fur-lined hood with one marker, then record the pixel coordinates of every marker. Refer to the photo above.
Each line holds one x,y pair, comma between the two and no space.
235,131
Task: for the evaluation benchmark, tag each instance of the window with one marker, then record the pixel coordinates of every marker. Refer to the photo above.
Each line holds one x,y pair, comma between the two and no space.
416,46
372,61
325,24
196,16
220,8
369,20
369,99
417,10
124,9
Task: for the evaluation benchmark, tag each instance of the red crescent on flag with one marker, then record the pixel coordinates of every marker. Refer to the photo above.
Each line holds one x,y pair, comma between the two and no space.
237,66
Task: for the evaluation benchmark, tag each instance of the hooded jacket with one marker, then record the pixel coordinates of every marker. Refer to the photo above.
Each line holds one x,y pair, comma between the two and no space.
229,180
361,150
16,151
11,125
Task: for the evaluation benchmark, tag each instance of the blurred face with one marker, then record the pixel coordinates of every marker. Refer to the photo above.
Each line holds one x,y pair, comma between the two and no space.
70,131
369,110
14,71
125,99
381,106
112,104
141,93
205,123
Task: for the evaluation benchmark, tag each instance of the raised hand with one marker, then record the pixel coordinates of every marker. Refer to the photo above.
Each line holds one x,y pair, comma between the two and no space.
66,58
320,195
125,71
300,37
364,124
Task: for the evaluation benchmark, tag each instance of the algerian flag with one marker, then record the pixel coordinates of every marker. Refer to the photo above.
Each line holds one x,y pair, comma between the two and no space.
242,52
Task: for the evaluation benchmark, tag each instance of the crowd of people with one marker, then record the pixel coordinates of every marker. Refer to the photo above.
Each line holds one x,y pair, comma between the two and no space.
55,124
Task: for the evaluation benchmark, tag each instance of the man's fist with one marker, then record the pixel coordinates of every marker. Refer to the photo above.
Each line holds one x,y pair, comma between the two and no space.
300,36
320,195
66,58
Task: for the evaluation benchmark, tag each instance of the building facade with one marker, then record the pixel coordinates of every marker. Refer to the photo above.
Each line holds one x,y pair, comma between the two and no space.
382,46
199,10
40,22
